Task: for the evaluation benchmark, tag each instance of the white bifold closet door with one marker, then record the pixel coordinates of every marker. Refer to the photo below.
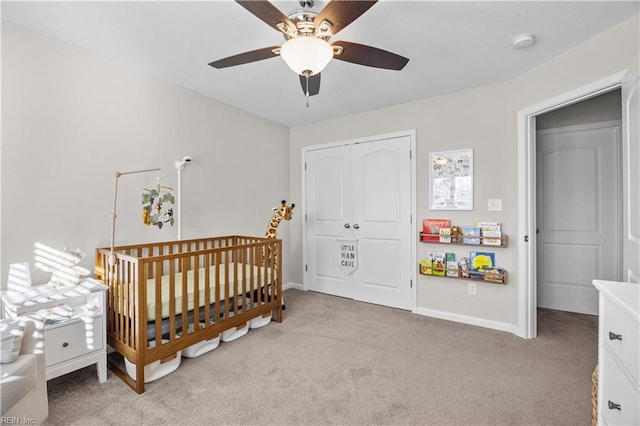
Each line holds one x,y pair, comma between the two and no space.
360,194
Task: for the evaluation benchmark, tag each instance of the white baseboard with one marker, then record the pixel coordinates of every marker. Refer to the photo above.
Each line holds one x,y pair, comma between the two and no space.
296,286
494,325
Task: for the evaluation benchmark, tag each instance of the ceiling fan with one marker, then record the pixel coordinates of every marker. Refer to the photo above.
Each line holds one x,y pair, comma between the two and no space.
306,48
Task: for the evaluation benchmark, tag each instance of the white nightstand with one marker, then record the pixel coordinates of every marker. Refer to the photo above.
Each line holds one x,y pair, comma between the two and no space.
74,343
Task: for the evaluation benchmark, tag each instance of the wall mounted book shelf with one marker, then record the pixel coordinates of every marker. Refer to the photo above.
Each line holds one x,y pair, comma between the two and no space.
466,240
442,265
491,277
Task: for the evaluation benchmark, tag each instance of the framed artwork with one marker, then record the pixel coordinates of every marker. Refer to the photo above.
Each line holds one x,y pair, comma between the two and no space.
451,180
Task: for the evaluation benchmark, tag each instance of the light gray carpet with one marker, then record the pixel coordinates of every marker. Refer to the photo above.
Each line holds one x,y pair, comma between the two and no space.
336,361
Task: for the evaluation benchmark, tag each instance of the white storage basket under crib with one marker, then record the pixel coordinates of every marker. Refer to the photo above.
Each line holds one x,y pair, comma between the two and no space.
202,347
260,321
234,333
156,369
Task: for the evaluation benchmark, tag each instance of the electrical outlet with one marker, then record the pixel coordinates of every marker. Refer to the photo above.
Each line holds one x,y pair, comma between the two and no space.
472,289
494,205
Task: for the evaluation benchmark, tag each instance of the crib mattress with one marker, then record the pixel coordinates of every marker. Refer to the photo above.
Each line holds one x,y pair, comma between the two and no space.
239,274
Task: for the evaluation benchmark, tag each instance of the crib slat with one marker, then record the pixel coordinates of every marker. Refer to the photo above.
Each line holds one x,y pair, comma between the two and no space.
196,297
216,267
260,262
158,313
185,298
139,322
207,288
252,283
172,295
121,291
237,280
227,310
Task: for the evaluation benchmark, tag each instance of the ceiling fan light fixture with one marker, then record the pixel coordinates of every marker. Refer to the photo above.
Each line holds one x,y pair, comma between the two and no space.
306,54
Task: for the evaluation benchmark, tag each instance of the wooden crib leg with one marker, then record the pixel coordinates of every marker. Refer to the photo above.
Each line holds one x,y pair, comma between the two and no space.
278,317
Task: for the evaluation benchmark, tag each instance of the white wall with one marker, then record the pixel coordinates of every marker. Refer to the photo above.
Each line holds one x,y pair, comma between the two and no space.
71,119
483,119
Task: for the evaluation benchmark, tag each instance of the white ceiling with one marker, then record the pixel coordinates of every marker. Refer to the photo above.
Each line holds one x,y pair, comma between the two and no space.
451,45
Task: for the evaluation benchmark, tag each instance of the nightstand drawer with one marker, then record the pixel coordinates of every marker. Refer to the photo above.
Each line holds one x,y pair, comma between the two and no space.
620,333
73,339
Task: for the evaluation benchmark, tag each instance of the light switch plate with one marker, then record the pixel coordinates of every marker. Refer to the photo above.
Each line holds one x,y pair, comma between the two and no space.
495,205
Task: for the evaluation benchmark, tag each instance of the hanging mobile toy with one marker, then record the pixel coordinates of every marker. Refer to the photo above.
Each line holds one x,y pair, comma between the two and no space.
153,205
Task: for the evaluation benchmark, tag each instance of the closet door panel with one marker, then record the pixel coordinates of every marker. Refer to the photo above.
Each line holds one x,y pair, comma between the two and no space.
328,183
382,214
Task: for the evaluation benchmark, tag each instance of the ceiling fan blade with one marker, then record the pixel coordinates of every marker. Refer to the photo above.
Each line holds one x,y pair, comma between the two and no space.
314,84
342,12
268,13
246,57
370,56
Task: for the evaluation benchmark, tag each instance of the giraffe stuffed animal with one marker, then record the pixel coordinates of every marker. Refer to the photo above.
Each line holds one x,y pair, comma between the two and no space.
282,212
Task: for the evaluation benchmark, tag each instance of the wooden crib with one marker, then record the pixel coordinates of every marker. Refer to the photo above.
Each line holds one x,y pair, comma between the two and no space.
228,281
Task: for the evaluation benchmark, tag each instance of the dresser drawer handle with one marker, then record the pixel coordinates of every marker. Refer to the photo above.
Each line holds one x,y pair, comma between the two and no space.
65,344
614,336
614,406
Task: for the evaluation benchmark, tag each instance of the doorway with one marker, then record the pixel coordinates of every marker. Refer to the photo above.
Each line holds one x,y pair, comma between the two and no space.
358,232
578,209
627,81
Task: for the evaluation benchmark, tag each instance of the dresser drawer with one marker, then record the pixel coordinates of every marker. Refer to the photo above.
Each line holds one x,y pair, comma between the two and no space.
621,334
619,396
72,339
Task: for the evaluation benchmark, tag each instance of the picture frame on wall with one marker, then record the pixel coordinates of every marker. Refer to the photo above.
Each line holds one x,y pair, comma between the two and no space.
451,180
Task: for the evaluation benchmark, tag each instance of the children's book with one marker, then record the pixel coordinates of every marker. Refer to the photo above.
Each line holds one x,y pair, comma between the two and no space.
426,267
452,268
431,228
490,229
470,234
491,238
438,263
489,226
445,235
480,261
495,275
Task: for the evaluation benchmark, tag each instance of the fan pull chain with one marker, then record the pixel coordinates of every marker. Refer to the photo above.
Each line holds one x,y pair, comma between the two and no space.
306,95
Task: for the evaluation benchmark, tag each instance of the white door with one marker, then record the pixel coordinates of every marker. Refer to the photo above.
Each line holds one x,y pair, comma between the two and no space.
578,214
631,177
361,193
328,209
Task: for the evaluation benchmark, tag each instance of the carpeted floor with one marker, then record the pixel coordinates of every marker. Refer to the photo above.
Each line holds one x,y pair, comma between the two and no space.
336,361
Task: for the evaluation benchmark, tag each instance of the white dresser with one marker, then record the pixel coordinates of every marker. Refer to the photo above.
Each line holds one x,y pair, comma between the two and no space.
618,353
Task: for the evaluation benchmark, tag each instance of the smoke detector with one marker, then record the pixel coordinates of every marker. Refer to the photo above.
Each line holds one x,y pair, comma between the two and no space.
523,41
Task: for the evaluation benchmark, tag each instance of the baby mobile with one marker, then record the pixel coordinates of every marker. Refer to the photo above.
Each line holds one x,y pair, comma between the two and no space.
155,209
154,206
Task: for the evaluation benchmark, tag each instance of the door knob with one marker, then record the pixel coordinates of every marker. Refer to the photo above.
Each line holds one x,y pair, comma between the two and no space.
346,225
356,226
